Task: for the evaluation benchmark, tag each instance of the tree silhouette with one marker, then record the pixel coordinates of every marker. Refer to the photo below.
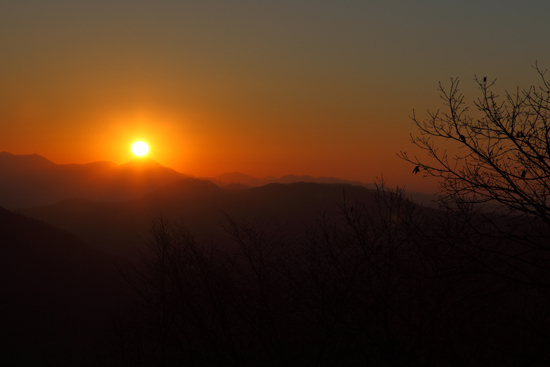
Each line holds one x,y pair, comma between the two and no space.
495,161
504,153
386,282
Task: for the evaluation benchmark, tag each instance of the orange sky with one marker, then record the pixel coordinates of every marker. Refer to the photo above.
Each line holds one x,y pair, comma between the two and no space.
323,89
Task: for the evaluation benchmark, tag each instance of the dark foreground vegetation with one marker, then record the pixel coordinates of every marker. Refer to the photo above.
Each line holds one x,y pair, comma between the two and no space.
388,283
377,281
385,284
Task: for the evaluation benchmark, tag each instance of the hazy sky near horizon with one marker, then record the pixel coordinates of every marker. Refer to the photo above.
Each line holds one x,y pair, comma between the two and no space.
322,88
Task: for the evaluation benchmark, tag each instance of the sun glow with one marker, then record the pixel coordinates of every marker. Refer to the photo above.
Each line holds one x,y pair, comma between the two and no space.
140,148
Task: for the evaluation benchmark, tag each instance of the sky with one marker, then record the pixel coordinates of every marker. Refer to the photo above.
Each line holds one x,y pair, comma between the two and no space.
321,88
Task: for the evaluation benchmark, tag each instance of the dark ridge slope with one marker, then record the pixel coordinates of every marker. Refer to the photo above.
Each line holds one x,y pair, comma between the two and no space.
55,294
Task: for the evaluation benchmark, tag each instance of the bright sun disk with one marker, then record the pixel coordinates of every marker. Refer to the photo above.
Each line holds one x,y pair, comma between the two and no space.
140,148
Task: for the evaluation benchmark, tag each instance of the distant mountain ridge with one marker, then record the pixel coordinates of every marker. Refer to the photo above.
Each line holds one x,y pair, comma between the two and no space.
14,163
237,181
243,179
31,180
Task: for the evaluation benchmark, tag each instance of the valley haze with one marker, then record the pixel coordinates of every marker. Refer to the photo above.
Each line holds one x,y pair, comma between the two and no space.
32,180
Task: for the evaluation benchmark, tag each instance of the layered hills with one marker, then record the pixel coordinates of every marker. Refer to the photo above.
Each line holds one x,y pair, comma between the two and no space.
112,206
352,265
30,180
247,180
200,205
58,280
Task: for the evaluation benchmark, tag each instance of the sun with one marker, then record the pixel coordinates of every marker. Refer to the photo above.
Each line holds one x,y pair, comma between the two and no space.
140,148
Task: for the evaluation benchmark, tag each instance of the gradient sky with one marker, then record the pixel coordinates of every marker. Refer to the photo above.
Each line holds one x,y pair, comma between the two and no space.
322,88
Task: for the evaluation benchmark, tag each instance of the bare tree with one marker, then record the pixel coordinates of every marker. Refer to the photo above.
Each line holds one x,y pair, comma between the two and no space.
493,166
505,153
387,282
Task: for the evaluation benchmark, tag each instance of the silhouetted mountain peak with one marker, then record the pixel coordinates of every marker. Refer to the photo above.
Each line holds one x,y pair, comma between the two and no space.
19,163
31,180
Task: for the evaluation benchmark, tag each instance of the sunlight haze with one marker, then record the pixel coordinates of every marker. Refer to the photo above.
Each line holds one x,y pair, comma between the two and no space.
263,88
274,183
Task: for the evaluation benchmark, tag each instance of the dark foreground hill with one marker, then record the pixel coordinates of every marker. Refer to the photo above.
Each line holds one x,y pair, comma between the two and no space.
55,294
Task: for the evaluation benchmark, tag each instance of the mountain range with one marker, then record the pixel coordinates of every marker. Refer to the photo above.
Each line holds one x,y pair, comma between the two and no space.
58,278
32,180
29,180
242,179
68,224
85,279
203,207
110,206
